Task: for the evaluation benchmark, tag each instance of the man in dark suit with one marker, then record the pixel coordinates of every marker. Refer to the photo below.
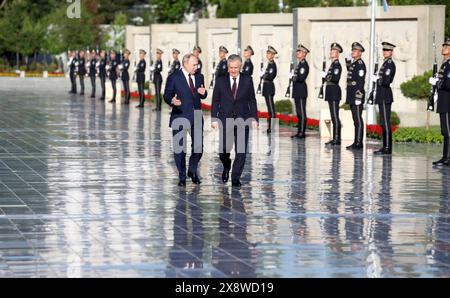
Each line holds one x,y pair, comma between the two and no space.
184,91
234,111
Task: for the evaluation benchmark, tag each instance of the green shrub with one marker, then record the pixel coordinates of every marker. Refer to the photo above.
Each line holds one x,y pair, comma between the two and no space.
418,87
283,106
395,119
418,135
345,107
146,85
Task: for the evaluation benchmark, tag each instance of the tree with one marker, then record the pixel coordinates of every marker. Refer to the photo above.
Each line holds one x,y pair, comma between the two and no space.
173,11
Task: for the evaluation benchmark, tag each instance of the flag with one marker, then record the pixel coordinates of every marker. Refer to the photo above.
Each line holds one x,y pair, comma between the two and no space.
385,5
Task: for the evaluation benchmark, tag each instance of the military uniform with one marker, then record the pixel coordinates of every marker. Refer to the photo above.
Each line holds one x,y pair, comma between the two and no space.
102,75
333,95
443,106
269,87
300,92
72,75
113,77
356,77
140,80
176,65
81,73
92,74
157,80
126,79
222,68
384,99
247,68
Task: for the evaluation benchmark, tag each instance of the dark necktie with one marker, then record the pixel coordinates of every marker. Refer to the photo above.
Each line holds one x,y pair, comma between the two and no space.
234,88
191,85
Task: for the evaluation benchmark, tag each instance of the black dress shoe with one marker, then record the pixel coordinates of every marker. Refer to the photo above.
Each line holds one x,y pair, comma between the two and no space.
442,162
101,98
126,103
182,183
329,143
268,130
194,177
355,147
82,93
298,136
225,175
112,101
92,96
139,106
236,183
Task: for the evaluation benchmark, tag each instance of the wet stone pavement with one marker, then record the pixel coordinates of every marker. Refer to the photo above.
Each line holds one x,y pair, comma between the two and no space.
88,189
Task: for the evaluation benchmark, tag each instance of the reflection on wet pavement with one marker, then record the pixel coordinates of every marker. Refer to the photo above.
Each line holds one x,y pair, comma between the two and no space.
90,190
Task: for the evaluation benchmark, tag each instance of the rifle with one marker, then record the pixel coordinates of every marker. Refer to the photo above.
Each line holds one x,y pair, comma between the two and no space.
258,91
288,91
433,94
324,68
373,92
213,77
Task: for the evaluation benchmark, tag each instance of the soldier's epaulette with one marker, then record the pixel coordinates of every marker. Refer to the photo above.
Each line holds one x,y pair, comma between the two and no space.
336,61
360,61
389,60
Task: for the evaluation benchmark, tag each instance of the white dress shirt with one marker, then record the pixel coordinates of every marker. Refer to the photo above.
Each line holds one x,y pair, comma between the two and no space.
232,82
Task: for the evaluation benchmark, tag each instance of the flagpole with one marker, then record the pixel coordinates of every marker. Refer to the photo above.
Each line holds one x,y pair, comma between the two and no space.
370,116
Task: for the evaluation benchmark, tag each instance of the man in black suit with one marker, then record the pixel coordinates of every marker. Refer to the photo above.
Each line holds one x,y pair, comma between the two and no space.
184,92
234,110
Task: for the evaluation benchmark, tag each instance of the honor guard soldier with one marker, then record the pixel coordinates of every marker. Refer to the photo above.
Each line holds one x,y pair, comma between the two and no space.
113,74
268,88
93,71
73,77
442,82
248,65
300,90
356,77
197,51
384,97
333,91
222,67
102,73
176,63
140,77
126,75
157,78
81,70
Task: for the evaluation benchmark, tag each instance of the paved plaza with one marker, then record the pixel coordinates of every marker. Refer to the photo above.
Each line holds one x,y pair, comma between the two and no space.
88,189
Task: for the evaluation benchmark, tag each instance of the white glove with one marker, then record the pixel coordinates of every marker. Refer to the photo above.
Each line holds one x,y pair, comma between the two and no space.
107,67
349,56
135,68
433,81
261,73
152,68
374,78
76,63
324,74
291,75
88,64
120,66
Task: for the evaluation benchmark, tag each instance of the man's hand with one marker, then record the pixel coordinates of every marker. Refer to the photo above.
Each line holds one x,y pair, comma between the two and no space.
324,74
201,90
349,57
255,124
175,101
290,75
215,125
374,78
261,73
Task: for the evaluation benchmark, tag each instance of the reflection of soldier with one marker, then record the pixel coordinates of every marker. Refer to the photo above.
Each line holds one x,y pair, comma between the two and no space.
298,191
380,248
330,224
233,256
440,251
354,225
187,253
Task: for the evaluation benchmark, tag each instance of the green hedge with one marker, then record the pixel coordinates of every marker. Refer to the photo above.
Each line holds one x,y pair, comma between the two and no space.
283,106
418,135
418,87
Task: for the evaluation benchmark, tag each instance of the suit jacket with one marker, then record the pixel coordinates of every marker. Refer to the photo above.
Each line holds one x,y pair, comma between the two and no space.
177,84
225,106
